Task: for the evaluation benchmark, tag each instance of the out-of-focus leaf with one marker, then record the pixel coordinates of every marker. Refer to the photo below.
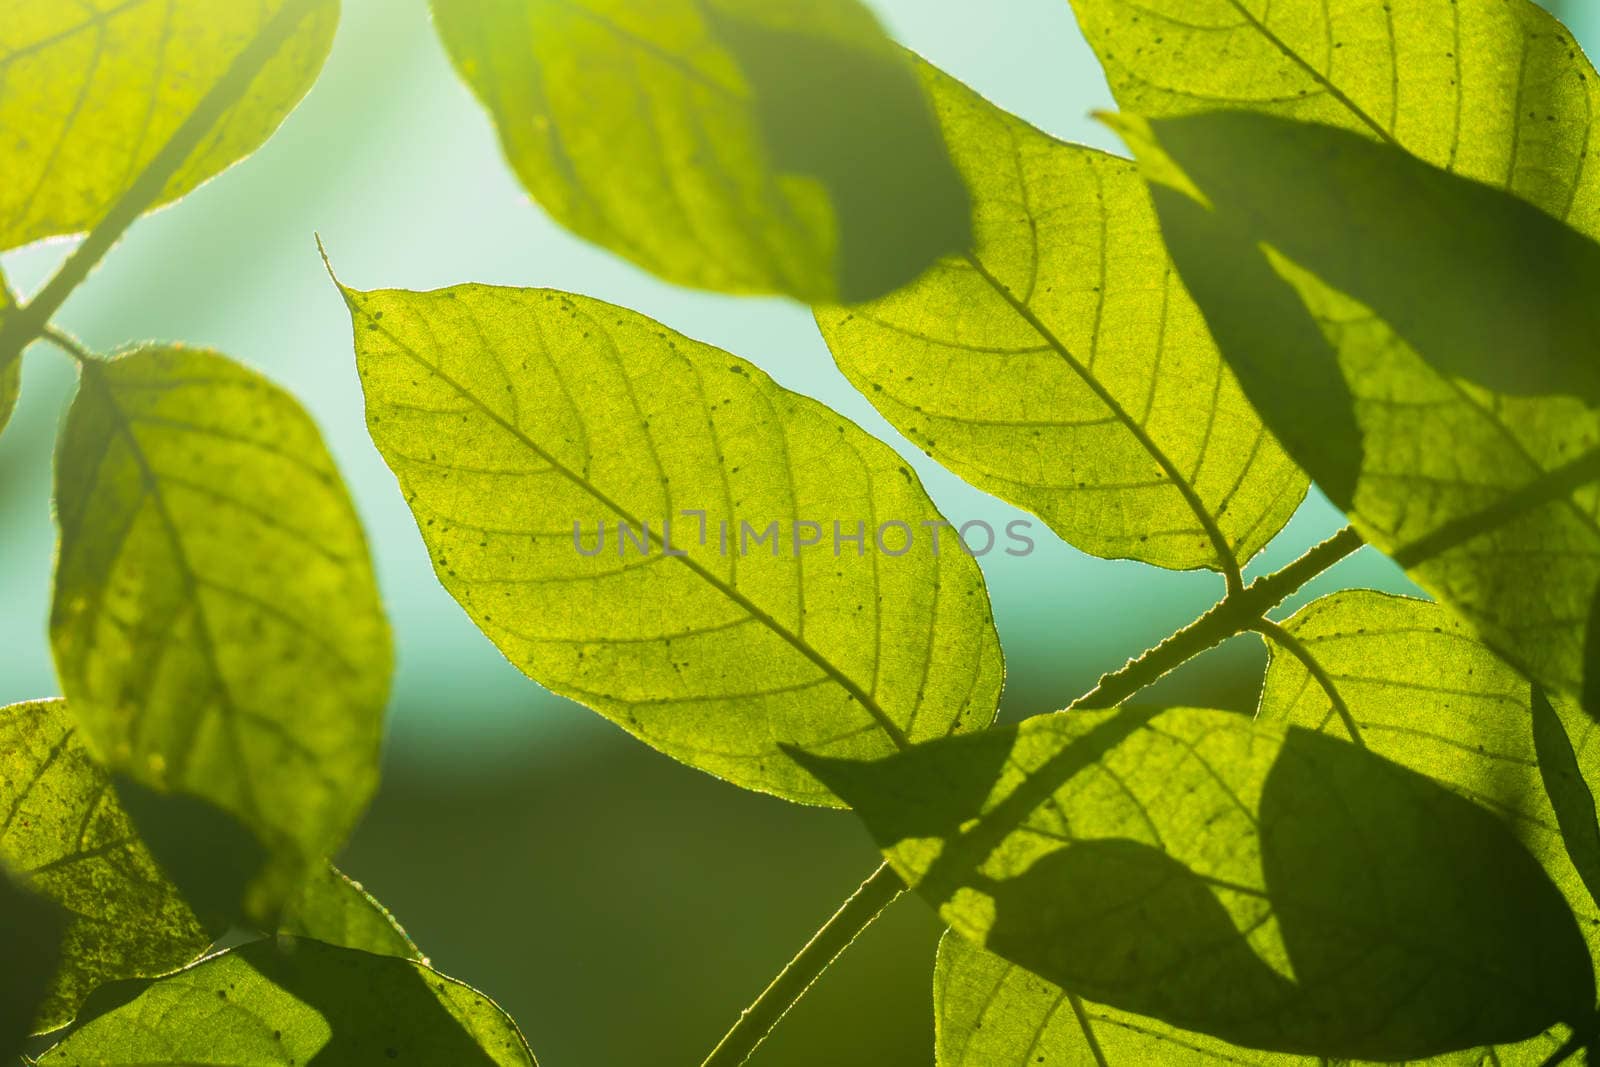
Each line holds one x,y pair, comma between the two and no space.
11,372
1063,366
1493,90
1489,500
216,624
744,145
93,92
332,908
286,1002
30,944
1283,891
65,834
513,418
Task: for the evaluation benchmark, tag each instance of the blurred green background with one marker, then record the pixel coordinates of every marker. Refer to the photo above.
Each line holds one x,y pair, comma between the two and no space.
622,907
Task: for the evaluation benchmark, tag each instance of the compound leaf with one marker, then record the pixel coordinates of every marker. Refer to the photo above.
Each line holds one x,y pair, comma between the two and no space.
285,1002
1286,891
216,624
336,910
1494,90
93,92
1487,498
1062,365
70,841
515,418
744,145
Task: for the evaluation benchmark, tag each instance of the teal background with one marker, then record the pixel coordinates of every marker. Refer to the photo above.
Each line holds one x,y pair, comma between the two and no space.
621,906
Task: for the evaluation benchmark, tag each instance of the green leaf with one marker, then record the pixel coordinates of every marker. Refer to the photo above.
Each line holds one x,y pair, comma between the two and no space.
10,371
743,145
1062,366
1486,498
1565,770
332,908
991,1013
66,835
216,624
1410,681
30,944
94,92
286,1002
1494,90
1283,891
514,418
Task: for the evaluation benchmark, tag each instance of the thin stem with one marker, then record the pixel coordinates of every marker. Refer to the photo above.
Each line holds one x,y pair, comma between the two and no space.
1234,615
836,935
29,321
69,345
1297,648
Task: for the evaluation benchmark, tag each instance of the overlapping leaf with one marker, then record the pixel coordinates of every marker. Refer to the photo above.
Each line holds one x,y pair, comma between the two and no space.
30,943
216,625
1284,891
990,1012
514,418
65,833
1493,90
288,1002
1487,498
1063,366
92,92
334,909
744,145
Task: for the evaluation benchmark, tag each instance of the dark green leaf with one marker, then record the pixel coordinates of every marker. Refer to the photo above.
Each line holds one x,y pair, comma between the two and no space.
30,944
511,417
333,909
1566,779
93,93
216,625
1494,90
1487,499
1283,891
287,1002
745,145
1062,365
64,832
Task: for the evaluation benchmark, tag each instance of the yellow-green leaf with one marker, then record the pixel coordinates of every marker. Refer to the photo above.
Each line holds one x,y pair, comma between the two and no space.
216,624
1488,499
1286,891
514,418
93,92
1494,90
1062,365
989,1012
334,909
66,836
743,145
287,1002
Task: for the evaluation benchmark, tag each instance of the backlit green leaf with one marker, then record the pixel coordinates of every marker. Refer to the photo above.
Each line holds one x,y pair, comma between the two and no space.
990,1012
1284,891
66,836
1487,498
743,145
11,373
1063,366
287,1003
332,908
1494,90
216,625
513,418
94,91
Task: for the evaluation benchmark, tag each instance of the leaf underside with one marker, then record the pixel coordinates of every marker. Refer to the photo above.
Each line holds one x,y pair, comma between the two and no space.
1062,365
512,416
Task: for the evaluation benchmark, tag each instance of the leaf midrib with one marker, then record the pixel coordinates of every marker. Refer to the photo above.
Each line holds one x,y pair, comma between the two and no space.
890,728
